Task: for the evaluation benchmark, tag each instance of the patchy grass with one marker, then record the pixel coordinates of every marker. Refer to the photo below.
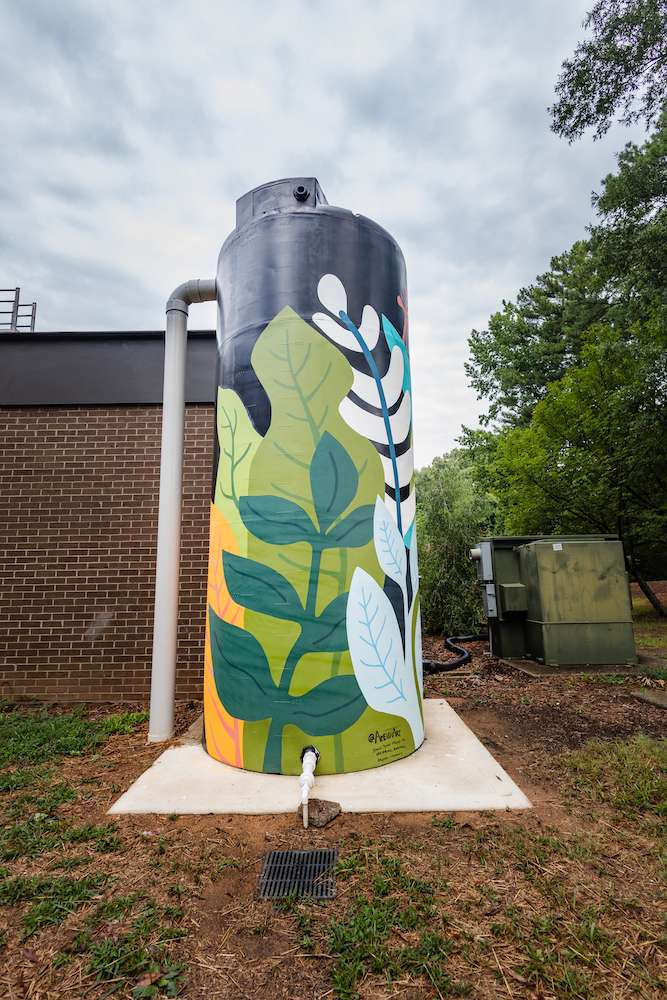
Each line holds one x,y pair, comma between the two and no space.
650,628
559,902
371,937
137,955
50,900
32,824
27,737
630,775
43,833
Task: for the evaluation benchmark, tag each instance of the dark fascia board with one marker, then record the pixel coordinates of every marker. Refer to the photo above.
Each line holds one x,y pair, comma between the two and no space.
99,368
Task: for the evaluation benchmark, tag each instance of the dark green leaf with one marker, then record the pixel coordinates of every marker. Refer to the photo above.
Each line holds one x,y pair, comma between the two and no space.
354,530
241,671
328,708
275,520
333,480
328,632
260,588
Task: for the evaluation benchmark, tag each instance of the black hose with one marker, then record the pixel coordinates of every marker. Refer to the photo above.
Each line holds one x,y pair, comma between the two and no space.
443,666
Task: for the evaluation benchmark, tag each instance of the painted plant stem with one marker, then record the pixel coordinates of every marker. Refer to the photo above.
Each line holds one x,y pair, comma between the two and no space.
339,758
273,751
356,333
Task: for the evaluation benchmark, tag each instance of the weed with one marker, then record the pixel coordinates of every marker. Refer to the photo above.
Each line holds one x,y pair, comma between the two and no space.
133,956
350,864
122,724
52,899
44,802
545,966
656,675
11,781
42,833
114,909
444,822
224,863
68,864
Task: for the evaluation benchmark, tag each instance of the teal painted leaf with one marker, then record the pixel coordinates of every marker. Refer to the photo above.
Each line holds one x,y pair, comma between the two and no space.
241,671
328,632
258,587
278,521
333,480
354,530
328,708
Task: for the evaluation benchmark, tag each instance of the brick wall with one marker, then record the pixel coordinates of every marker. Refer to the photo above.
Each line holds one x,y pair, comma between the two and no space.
78,523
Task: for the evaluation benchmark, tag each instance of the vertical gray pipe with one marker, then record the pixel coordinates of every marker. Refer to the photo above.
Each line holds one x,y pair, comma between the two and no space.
163,674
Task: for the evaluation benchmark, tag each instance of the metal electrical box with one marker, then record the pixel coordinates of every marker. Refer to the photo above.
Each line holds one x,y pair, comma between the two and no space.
559,599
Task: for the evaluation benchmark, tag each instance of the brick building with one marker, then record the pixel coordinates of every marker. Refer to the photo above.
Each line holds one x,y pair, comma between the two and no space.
80,417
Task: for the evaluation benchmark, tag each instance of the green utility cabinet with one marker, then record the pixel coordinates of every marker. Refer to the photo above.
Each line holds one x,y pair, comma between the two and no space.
559,599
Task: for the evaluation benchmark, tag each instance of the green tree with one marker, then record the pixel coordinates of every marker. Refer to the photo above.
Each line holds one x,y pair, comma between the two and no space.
535,341
620,72
452,515
629,242
618,277
594,457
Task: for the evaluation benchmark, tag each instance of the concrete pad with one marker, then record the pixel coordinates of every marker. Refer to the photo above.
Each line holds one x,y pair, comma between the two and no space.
451,772
534,669
652,697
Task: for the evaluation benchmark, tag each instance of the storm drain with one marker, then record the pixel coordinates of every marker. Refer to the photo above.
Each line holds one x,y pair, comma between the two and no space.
299,873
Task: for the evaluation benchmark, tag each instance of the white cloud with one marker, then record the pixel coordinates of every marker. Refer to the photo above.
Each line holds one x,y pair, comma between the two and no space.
133,128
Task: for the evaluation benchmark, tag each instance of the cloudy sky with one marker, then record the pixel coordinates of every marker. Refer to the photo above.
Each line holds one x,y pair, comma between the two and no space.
130,128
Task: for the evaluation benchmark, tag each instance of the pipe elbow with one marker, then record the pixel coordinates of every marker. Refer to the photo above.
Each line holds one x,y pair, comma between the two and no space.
196,290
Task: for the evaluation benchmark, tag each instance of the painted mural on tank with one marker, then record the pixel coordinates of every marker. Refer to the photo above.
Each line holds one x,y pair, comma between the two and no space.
313,630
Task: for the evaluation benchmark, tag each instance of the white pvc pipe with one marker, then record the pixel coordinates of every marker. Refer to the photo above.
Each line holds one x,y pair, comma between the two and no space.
167,570
309,761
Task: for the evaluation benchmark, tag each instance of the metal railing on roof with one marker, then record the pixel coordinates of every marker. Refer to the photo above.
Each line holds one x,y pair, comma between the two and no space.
21,314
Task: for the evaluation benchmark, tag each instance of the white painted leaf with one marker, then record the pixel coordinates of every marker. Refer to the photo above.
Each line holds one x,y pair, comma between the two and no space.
366,388
369,328
372,426
334,331
405,466
385,678
389,545
331,293
414,566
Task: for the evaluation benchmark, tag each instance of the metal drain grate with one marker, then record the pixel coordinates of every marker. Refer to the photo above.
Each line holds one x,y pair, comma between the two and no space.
299,873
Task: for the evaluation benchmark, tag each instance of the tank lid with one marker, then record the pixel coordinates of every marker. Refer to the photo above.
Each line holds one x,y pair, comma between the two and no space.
287,195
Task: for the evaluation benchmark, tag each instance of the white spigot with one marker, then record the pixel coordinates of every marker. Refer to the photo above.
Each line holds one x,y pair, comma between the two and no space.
309,759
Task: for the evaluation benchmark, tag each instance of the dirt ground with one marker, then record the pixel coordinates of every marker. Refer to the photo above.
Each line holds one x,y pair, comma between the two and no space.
562,901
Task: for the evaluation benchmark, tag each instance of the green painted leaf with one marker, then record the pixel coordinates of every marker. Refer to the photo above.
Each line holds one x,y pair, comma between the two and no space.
333,480
238,442
329,708
258,587
241,671
278,521
353,531
328,632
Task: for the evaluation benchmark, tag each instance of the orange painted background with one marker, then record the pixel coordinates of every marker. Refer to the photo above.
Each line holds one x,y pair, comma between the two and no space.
224,734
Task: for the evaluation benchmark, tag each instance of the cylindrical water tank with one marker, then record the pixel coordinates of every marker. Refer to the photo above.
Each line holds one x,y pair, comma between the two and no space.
313,632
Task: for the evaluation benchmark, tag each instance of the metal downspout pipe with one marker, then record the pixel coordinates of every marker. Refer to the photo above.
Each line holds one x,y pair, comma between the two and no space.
163,673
